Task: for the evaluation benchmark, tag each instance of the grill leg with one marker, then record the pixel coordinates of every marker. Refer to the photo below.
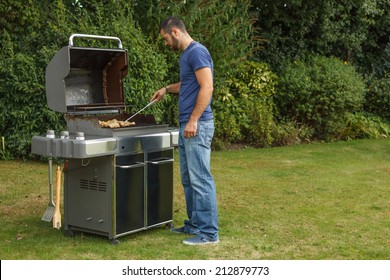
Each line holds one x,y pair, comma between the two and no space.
115,241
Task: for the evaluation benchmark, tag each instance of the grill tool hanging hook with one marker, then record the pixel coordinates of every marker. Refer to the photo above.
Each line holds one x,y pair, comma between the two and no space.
151,103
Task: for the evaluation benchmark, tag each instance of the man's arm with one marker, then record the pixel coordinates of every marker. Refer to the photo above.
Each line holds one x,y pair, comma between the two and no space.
204,77
172,88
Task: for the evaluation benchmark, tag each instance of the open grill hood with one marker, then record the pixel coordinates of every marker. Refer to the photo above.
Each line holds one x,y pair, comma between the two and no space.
86,84
86,80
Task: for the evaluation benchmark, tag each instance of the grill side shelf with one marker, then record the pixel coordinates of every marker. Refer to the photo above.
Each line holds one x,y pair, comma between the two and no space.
71,148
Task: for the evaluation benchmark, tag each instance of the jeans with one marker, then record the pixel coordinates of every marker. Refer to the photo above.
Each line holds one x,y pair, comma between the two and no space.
198,183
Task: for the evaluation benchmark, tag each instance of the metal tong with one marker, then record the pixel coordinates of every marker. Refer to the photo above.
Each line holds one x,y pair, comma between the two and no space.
151,103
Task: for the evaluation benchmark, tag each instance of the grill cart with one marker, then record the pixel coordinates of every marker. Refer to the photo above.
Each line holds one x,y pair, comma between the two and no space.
119,180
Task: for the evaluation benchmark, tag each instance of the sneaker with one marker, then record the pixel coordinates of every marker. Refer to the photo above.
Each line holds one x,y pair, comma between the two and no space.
179,230
198,240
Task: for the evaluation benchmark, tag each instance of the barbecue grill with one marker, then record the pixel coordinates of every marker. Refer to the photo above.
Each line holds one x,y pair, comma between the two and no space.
117,181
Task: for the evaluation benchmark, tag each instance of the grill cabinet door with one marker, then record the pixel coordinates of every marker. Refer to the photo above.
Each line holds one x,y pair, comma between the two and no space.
130,193
160,187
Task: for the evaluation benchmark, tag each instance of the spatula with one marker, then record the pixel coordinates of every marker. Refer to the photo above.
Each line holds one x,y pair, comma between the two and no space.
48,215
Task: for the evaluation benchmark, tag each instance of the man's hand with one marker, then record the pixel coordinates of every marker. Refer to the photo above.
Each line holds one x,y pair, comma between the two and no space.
191,129
158,95
172,88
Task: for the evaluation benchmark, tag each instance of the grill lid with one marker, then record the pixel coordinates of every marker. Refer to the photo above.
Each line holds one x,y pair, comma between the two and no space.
83,80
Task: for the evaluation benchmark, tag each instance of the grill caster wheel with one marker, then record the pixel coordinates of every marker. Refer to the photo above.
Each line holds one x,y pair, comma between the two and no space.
169,225
69,233
115,241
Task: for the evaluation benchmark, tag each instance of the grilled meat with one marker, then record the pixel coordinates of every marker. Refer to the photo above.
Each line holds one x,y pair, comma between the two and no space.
114,123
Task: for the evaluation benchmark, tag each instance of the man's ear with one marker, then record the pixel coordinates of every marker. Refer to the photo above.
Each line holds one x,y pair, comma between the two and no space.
175,31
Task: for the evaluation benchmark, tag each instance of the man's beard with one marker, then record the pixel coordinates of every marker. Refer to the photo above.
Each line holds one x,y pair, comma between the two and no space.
175,44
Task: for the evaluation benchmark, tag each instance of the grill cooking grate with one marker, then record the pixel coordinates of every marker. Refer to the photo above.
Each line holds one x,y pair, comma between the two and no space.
93,185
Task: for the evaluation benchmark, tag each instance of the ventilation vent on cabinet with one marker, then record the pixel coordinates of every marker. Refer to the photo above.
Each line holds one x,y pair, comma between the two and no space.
93,185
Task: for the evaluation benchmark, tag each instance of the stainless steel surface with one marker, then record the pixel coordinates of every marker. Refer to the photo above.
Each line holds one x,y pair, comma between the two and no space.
161,161
174,136
94,147
88,191
135,165
117,181
144,143
91,126
132,116
77,77
124,141
73,148
95,37
133,192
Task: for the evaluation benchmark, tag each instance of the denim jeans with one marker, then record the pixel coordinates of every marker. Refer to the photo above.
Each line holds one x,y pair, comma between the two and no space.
198,183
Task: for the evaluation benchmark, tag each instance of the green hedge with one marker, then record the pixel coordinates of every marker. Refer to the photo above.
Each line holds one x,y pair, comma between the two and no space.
360,126
244,107
377,98
315,99
32,37
318,93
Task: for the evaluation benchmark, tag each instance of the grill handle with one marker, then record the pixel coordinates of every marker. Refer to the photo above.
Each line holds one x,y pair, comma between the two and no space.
161,161
95,37
137,164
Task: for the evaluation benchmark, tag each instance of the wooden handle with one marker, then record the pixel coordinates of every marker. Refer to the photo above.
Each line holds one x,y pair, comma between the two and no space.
57,213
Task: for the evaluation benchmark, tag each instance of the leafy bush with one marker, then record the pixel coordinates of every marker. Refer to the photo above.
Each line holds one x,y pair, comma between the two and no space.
23,109
243,106
318,93
377,98
31,39
359,126
291,133
355,31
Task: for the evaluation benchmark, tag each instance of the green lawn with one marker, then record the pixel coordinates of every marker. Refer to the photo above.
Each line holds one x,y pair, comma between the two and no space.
318,201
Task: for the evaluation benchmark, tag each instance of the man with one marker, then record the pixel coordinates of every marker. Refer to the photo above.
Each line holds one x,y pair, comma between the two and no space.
195,90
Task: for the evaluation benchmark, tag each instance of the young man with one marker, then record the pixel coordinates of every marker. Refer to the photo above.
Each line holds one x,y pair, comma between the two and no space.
195,90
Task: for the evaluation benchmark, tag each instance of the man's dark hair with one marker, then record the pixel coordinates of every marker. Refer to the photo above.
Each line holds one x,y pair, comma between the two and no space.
170,22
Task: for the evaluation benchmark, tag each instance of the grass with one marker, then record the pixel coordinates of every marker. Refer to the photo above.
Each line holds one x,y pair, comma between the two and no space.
318,201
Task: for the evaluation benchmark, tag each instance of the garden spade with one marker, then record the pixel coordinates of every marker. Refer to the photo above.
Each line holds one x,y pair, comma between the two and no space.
48,215
57,213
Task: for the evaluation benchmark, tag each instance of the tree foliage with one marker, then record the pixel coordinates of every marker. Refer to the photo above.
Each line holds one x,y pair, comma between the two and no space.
353,31
224,27
29,39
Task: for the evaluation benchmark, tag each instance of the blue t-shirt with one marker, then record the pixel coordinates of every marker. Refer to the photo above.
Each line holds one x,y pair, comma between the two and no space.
194,57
